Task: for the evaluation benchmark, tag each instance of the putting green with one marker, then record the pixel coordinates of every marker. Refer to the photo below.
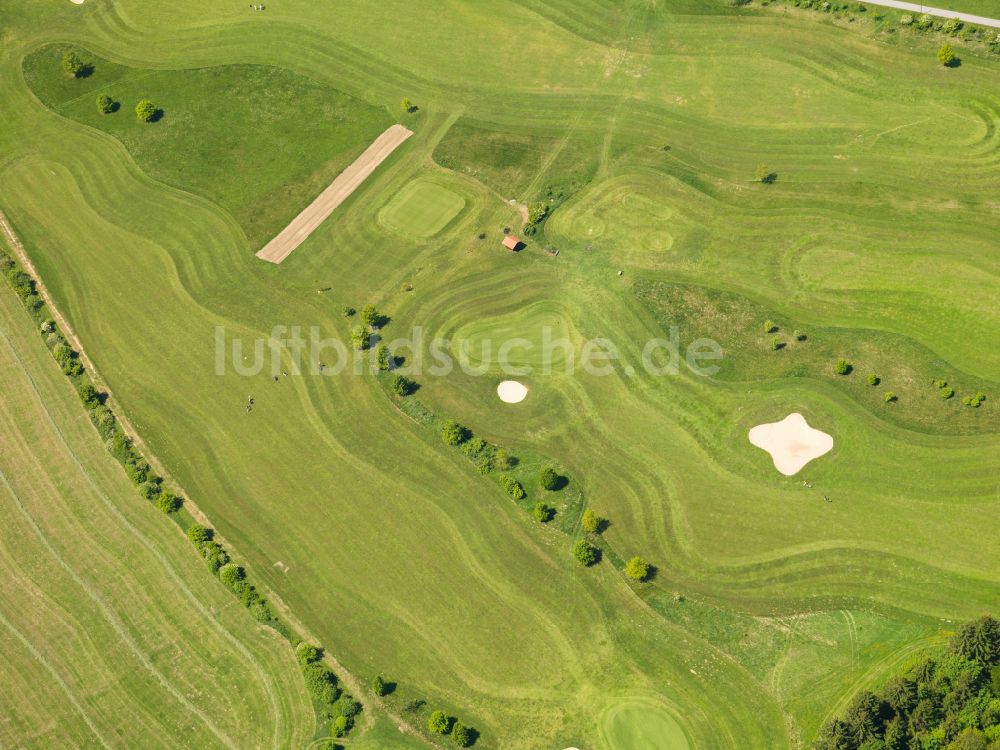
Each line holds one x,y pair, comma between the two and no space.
641,725
421,209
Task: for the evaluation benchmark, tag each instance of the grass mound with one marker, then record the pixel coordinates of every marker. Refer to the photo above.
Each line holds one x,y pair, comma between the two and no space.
257,140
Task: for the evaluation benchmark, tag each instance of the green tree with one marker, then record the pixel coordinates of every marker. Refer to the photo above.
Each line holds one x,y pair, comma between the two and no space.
360,338
843,367
438,723
340,726
770,327
591,523
307,653
72,65
89,395
512,486
461,735
549,478
231,574
979,641
890,397
586,553
543,512
454,433
321,683
379,686
637,569
168,502
145,110
105,104
383,360
874,379
402,385
406,105
946,55
198,534
370,316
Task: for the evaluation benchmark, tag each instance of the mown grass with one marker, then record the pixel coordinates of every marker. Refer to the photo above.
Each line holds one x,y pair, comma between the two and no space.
404,559
111,625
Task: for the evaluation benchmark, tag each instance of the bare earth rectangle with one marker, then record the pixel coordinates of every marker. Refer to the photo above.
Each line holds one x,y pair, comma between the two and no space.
335,193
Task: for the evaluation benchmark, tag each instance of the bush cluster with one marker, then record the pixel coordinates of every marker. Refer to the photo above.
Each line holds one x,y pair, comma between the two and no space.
440,723
950,701
511,486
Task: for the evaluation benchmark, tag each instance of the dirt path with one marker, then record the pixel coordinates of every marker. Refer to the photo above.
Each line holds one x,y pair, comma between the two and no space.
942,12
335,193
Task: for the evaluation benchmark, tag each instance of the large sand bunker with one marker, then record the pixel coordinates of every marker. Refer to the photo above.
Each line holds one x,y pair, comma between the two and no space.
512,392
791,442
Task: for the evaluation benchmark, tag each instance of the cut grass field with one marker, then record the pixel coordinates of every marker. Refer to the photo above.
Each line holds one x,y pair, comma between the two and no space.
113,632
769,607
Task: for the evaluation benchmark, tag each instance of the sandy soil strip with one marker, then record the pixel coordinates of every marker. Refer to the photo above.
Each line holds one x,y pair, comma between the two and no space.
336,193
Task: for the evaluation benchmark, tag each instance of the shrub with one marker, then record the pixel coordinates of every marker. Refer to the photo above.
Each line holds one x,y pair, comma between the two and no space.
438,723
591,522
637,569
906,20
231,574
842,367
873,379
947,392
454,433
198,534
777,343
770,327
946,55
321,683
406,105
307,653
168,502
380,687
503,461
72,65
473,447
461,735
549,478
586,553
349,311
89,395
214,555
145,110
543,512
105,104
764,175
402,385
537,212
511,486
890,397
485,462
151,489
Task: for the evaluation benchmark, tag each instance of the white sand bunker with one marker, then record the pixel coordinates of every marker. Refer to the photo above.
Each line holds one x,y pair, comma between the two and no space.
791,442
76,2
512,392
